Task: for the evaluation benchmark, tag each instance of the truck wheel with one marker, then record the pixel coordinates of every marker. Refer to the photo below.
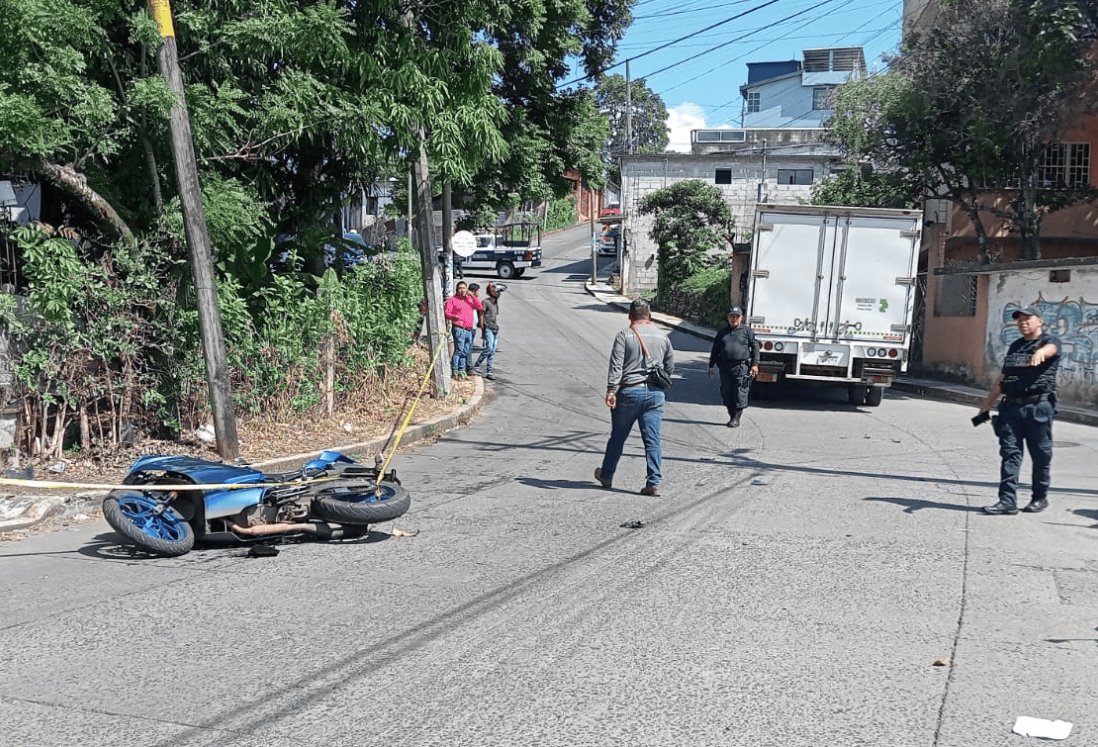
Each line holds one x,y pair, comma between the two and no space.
873,396
856,394
505,270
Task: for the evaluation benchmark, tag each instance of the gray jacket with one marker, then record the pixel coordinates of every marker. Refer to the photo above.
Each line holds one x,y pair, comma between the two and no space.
627,365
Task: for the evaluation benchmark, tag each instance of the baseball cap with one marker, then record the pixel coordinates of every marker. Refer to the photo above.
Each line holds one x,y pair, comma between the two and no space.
735,310
1026,311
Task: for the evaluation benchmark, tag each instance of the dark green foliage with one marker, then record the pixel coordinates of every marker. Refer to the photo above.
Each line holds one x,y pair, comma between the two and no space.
969,108
561,214
876,189
649,125
691,218
703,297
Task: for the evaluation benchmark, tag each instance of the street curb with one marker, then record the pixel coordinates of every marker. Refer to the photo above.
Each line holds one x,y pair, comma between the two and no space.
942,394
945,392
52,506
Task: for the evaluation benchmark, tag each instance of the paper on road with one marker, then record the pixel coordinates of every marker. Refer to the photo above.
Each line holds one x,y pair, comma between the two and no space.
1028,726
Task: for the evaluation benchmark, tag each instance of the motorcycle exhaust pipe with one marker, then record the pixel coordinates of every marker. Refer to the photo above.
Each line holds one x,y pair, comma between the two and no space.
319,530
267,529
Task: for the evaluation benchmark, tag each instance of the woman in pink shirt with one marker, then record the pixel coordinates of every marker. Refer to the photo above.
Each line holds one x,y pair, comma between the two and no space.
459,312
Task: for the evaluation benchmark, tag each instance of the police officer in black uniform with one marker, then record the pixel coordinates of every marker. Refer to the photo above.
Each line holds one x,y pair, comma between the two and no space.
736,355
1028,405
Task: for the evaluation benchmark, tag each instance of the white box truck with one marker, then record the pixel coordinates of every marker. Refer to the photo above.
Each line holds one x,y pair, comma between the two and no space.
830,295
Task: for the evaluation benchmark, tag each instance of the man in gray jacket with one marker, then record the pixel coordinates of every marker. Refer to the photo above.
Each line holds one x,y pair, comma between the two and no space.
631,399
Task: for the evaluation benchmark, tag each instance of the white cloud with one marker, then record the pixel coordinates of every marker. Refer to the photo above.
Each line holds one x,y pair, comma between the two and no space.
681,120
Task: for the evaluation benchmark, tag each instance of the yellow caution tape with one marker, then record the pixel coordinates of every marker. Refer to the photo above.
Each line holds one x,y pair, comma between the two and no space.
440,346
59,485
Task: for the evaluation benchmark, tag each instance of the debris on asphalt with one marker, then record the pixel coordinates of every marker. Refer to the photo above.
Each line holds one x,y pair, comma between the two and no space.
58,467
634,524
1041,728
757,481
262,551
27,473
942,662
397,532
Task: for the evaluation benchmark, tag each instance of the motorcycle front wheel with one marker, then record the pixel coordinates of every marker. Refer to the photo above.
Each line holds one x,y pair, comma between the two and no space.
148,523
359,503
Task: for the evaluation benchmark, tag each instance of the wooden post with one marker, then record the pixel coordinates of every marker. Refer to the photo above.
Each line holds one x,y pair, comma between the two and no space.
432,276
198,240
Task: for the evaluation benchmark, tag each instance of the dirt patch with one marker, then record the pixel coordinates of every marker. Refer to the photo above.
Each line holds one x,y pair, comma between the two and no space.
360,416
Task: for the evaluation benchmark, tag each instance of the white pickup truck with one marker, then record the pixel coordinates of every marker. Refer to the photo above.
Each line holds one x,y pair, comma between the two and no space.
831,295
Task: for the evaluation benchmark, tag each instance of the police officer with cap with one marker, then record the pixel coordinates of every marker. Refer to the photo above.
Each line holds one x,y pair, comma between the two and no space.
1027,389
735,354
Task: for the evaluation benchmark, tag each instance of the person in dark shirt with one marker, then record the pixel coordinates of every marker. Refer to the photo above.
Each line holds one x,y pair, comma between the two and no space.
489,325
1027,389
736,355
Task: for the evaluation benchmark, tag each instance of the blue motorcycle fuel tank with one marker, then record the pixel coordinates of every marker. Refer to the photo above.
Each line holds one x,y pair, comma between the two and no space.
219,503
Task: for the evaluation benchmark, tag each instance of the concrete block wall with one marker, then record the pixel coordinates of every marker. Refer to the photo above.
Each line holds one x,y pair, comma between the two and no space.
640,271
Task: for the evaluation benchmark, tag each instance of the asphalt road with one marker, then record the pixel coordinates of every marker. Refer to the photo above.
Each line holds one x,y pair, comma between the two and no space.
793,586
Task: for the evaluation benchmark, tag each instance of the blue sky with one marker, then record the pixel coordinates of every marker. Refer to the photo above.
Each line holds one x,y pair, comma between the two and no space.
704,92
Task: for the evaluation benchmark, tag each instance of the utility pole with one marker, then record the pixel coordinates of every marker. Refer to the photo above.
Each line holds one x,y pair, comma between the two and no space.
411,196
594,240
432,280
447,234
628,112
198,240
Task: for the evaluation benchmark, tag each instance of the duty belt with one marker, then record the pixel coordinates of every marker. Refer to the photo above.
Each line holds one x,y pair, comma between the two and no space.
1030,399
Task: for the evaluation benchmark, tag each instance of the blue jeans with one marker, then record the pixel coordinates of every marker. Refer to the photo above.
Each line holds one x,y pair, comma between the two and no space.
642,404
1031,426
463,342
489,353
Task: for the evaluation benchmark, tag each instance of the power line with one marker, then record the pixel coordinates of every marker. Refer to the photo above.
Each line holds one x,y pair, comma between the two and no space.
722,45
784,37
671,43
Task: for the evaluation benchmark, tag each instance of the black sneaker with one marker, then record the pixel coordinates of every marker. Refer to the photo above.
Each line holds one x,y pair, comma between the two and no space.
1036,506
1001,509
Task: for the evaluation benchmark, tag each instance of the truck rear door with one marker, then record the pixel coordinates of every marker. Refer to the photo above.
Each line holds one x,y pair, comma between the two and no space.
793,253
873,290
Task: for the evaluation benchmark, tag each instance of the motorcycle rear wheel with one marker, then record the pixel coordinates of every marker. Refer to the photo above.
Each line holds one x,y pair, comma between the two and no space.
148,523
355,502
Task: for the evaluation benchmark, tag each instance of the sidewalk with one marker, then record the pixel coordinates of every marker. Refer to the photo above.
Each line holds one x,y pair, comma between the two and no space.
922,387
19,514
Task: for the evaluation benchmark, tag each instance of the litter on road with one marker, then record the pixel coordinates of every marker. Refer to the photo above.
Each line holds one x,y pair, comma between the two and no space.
1041,728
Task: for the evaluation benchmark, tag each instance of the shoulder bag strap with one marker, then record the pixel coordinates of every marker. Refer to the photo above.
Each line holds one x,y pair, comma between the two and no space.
644,348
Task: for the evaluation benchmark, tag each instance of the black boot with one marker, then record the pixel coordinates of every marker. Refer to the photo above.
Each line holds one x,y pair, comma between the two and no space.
735,422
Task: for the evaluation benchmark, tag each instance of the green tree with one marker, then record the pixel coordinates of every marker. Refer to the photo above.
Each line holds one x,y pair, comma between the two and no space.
971,108
866,188
691,218
649,125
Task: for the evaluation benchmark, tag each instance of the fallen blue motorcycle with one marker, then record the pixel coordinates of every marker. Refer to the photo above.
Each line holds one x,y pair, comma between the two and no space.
331,497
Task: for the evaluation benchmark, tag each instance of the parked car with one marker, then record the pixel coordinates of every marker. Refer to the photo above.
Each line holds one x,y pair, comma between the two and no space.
610,210
608,242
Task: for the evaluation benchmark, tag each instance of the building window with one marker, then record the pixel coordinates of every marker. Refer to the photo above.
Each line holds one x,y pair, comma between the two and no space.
723,176
794,176
1065,165
753,102
821,97
707,136
957,296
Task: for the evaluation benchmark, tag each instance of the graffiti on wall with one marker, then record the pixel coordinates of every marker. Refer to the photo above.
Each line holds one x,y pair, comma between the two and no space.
1074,322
